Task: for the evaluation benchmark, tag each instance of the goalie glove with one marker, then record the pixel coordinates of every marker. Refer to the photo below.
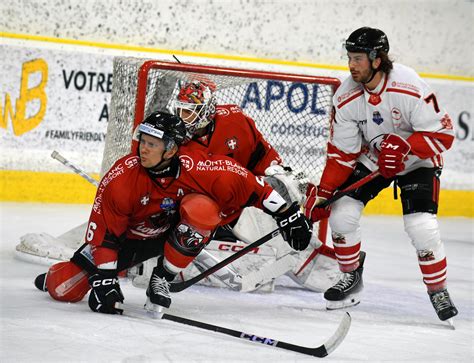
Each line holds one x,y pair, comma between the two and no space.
106,295
393,153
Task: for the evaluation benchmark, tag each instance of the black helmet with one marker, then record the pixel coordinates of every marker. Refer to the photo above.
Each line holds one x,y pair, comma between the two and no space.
166,126
367,40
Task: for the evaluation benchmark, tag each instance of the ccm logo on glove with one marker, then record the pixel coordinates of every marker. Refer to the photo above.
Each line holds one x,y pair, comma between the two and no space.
290,219
105,282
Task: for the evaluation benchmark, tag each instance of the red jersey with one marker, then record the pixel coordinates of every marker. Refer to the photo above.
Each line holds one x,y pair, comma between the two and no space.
235,135
130,203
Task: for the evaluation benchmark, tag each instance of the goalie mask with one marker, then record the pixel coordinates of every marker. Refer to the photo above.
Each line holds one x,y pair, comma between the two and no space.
196,105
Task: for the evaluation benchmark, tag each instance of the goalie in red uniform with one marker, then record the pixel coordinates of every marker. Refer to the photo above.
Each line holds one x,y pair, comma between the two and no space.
386,118
147,205
227,130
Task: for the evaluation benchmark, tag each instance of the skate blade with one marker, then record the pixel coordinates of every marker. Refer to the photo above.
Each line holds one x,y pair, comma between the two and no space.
153,310
450,322
342,304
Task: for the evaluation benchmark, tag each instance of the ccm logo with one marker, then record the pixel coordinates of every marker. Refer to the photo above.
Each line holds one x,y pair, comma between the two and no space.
290,219
105,282
235,248
391,146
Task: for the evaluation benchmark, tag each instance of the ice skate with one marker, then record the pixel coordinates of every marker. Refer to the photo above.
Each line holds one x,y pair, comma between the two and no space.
347,290
158,291
443,306
40,282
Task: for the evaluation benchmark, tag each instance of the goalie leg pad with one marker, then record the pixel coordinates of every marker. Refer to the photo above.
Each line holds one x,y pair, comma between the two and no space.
68,282
317,270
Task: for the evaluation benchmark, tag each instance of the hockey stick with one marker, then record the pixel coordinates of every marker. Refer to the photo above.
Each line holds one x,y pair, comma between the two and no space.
77,170
349,189
180,286
320,351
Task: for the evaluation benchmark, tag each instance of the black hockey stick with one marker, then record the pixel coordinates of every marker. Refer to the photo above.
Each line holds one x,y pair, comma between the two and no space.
320,351
349,189
180,286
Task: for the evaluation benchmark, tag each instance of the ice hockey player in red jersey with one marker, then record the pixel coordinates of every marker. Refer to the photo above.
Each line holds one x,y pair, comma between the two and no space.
386,118
161,202
226,130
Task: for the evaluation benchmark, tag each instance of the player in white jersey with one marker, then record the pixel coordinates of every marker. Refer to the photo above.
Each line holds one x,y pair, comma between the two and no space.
386,118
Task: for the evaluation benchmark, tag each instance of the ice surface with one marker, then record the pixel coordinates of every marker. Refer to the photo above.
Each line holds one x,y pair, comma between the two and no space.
394,322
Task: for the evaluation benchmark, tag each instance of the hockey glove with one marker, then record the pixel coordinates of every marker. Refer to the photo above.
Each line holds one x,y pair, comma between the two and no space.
295,228
393,153
105,293
314,197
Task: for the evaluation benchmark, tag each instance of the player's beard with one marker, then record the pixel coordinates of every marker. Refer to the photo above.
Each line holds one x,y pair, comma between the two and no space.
362,76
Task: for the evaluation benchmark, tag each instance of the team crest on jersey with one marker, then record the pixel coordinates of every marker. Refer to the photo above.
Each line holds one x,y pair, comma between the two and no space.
187,162
145,199
168,204
232,143
131,162
377,117
447,122
396,114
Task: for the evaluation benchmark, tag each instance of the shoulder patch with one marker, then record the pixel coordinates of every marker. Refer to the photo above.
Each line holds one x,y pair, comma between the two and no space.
405,88
187,162
346,97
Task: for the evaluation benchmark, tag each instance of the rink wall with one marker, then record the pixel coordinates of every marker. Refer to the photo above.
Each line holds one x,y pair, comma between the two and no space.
57,64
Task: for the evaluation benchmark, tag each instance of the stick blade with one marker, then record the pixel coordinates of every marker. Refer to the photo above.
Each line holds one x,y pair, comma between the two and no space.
336,339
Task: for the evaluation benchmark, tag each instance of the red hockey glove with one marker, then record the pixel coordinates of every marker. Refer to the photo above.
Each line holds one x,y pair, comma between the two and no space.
314,196
393,153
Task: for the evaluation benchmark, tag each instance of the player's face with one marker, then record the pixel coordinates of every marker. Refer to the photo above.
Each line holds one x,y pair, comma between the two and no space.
188,116
151,150
359,66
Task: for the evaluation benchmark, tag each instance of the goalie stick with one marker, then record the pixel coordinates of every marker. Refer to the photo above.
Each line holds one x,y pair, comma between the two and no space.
180,286
320,351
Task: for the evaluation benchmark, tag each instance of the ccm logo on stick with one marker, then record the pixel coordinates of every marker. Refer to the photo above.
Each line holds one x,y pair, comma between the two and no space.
235,248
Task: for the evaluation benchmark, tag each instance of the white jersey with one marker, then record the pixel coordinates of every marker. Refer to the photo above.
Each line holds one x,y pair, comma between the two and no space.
402,104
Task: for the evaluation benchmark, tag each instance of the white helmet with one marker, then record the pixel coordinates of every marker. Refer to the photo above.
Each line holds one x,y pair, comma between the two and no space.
196,105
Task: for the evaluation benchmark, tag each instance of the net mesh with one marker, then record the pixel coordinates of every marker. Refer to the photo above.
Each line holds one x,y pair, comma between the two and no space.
292,112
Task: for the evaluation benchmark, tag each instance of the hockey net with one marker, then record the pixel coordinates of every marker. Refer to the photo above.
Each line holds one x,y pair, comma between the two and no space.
292,112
